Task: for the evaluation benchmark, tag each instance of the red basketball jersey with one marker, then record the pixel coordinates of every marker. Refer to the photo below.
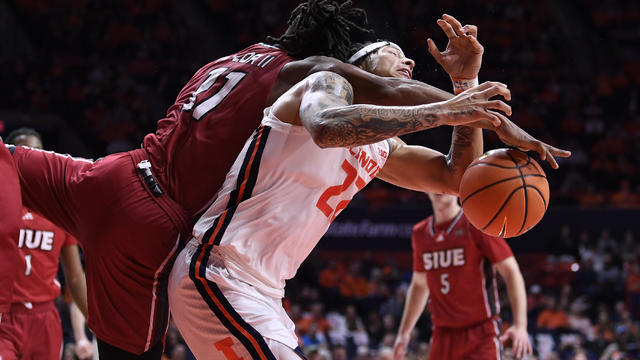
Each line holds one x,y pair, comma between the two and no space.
214,114
457,259
39,244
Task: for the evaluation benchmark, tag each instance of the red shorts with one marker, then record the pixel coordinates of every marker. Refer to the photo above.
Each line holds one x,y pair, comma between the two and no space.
128,234
31,333
475,342
10,210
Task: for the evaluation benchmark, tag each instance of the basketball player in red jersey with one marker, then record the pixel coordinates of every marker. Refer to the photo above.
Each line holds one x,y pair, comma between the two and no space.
454,266
9,228
31,328
131,210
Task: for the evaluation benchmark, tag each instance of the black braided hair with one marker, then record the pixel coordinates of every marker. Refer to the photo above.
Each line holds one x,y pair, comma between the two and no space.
23,131
322,27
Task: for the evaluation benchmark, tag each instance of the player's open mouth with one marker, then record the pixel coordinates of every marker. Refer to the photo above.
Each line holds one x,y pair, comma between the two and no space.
405,72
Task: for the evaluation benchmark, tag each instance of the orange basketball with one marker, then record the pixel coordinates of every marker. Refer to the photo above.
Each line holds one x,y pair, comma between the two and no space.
504,193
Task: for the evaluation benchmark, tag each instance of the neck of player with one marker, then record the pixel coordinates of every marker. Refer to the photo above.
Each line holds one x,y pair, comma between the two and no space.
446,214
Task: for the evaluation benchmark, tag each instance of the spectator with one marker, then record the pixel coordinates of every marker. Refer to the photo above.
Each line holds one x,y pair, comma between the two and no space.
552,317
632,289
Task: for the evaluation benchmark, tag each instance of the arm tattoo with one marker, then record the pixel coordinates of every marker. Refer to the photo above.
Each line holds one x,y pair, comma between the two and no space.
333,85
461,152
333,122
365,124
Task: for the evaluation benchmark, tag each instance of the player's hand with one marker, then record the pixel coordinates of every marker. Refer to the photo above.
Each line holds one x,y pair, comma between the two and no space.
520,341
474,104
84,349
512,135
400,347
463,56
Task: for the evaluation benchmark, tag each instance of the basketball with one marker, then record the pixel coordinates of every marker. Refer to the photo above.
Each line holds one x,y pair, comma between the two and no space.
504,193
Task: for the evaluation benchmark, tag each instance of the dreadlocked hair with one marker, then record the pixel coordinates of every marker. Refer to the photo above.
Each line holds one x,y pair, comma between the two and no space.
322,27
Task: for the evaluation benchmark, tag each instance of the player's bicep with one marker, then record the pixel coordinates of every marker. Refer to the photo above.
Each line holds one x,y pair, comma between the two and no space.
417,168
507,266
324,90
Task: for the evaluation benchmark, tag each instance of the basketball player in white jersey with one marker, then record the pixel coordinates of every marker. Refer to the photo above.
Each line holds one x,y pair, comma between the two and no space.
295,174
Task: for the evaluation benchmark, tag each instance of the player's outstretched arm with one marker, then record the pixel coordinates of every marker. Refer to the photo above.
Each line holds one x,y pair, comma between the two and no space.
510,272
332,122
414,305
512,135
368,88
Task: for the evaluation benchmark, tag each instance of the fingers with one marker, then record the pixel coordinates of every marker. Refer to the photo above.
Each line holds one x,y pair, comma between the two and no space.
494,117
520,352
521,347
499,105
399,351
516,349
433,50
446,27
455,24
559,152
552,161
490,89
471,30
551,152
488,84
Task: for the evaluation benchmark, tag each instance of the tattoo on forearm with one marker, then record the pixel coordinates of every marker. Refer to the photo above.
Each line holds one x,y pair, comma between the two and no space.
460,154
336,123
366,124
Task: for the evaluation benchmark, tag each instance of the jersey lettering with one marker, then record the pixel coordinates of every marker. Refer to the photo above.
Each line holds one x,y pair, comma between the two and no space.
207,104
443,259
33,239
252,58
365,161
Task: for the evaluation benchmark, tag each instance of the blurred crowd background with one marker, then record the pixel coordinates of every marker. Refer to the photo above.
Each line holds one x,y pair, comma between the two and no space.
94,76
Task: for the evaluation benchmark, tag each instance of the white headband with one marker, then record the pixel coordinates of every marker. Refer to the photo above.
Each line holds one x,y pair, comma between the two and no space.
368,50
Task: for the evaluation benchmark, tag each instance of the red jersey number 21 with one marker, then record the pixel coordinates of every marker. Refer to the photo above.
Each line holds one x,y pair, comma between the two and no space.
208,103
336,190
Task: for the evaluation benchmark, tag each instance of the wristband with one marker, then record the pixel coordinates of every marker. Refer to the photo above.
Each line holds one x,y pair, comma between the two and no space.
460,85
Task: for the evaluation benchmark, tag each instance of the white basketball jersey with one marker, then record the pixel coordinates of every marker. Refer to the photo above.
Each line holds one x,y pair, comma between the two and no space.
279,199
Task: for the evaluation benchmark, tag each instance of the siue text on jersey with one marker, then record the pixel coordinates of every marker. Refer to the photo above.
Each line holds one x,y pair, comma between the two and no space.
443,259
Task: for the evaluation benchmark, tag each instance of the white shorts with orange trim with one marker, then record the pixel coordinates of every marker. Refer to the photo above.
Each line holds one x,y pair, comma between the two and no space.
223,318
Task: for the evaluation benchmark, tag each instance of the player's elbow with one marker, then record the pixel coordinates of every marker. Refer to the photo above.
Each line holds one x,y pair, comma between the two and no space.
322,133
329,132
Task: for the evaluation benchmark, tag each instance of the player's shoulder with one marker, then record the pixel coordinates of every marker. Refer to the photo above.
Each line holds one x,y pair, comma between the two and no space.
33,219
422,225
262,47
329,83
326,77
259,55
